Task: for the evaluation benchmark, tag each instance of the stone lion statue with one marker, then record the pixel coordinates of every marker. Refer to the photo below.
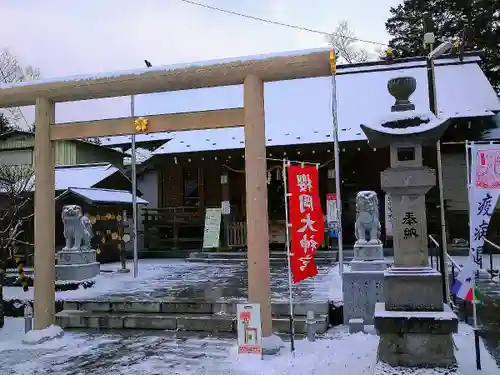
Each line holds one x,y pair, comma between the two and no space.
367,218
77,228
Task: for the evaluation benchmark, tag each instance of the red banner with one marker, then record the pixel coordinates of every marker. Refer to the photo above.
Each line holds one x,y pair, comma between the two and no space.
306,219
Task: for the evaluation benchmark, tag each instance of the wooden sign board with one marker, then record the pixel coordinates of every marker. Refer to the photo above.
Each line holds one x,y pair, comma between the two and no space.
211,235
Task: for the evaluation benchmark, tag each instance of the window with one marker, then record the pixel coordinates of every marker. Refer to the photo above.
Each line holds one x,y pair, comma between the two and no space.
191,188
16,157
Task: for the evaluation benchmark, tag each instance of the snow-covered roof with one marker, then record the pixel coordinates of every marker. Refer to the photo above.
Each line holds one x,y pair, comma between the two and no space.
104,195
83,175
80,176
299,111
139,138
494,134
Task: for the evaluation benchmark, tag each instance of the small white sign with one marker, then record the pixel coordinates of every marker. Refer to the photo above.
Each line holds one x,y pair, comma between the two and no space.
226,207
211,235
332,214
249,329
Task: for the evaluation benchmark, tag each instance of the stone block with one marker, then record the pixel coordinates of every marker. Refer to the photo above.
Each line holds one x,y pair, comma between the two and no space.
368,251
395,181
282,308
356,325
382,368
186,307
425,322
224,307
69,272
104,321
205,324
136,307
417,349
361,291
368,265
65,257
68,319
282,325
97,306
71,305
407,289
150,321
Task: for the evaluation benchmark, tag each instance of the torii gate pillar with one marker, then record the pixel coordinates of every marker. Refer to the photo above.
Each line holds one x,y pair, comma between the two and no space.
256,201
44,298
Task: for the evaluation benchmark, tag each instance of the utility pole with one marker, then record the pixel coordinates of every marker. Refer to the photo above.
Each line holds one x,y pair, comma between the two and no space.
429,40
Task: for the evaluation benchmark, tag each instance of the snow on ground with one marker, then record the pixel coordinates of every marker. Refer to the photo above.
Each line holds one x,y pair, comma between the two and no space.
163,278
151,277
154,353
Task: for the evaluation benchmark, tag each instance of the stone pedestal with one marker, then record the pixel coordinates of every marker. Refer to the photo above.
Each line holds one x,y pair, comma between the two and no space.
362,286
76,265
416,339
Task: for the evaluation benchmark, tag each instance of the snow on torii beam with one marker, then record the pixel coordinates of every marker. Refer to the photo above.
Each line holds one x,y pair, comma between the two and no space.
302,64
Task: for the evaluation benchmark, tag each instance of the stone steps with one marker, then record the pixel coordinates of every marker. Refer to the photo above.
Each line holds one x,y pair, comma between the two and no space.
173,322
322,257
182,315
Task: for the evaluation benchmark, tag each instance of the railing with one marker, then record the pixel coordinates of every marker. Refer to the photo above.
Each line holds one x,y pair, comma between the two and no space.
493,272
455,269
237,234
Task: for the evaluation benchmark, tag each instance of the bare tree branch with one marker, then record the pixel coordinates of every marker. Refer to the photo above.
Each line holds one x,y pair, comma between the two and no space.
11,71
16,185
344,43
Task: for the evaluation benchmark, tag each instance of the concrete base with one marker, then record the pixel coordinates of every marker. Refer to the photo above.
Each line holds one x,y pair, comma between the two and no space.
368,265
272,345
416,338
382,368
413,289
356,325
368,251
77,271
76,257
361,291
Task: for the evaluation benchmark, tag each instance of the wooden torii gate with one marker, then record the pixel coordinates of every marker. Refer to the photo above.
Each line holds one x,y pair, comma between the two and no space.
252,72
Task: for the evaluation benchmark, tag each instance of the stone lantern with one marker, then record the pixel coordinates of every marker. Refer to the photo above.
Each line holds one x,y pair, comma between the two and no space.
414,325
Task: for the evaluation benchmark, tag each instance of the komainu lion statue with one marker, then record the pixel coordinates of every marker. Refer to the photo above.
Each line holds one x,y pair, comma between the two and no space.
367,218
77,228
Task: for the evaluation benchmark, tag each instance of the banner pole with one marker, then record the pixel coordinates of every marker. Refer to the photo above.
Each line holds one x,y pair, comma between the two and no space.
134,192
474,302
288,255
336,150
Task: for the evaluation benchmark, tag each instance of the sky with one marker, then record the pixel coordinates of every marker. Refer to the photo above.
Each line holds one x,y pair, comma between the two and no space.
65,38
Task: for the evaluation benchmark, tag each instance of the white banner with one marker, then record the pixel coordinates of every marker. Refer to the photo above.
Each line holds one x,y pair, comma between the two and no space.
484,190
388,215
483,183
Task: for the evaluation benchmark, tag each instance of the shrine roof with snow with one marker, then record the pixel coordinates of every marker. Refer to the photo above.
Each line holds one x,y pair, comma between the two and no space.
299,111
